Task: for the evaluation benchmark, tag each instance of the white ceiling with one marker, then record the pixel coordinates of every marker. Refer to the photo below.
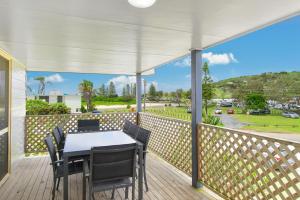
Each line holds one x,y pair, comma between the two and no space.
112,37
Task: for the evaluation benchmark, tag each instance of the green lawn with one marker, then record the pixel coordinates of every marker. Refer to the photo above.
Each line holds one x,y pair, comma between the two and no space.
110,103
269,123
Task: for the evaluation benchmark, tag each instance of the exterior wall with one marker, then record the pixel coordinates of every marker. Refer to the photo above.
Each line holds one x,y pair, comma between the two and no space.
73,102
18,110
52,99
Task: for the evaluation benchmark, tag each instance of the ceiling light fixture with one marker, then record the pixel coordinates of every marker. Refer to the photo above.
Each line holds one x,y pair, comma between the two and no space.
141,3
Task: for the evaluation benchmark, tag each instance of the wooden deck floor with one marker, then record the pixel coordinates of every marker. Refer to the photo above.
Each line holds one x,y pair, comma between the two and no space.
32,180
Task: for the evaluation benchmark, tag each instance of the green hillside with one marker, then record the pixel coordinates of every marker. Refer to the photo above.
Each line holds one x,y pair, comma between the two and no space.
279,86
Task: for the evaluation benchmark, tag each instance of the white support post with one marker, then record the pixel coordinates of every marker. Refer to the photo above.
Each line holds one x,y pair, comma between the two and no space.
138,92
196,83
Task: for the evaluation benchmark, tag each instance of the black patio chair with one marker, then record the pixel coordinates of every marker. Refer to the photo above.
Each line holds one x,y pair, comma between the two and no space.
126,125
59,141
143,137
57,165
110,168
61,132
85,125
133,131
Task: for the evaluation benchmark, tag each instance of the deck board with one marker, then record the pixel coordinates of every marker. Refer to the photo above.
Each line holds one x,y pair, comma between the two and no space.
32,180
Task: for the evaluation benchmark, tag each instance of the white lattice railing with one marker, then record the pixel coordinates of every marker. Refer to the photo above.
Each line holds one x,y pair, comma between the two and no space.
239,165
38,126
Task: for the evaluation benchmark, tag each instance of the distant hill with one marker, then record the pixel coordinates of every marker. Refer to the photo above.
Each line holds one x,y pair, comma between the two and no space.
272,85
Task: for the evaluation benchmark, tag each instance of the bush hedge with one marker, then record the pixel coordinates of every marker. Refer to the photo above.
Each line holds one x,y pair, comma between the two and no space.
39,107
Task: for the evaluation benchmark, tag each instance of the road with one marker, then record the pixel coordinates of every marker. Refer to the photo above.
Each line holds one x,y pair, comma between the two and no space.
231,122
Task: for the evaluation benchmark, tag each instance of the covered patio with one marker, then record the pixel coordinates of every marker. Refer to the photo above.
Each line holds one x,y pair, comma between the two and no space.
112,37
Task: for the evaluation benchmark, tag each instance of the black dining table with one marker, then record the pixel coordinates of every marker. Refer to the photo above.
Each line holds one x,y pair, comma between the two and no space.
80,144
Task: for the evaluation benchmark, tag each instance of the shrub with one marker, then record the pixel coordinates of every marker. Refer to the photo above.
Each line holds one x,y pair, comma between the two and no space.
255,101
128,106
39,107
212,120
58,108
83,109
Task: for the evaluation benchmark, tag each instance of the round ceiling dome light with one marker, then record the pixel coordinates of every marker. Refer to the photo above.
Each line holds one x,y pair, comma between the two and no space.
141,3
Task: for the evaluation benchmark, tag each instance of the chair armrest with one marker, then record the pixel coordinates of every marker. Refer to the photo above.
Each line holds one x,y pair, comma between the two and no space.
57,162
86,168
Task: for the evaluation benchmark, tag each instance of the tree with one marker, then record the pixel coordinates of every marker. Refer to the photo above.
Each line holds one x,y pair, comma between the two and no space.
207,86
255,101
42,84
178,96
152,92
127,91
86,89
112,90
102,91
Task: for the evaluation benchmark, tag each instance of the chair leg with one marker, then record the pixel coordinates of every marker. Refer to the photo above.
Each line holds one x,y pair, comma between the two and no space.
53,189
113,194
133,190
58,184
126,193
93,195
145,176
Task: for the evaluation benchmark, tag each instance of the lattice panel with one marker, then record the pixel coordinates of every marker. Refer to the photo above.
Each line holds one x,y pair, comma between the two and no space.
171,139
38,126
240,165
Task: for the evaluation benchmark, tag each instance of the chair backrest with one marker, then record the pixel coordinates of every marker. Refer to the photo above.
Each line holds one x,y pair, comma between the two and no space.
113,162
85,125
143,137
133,131
51,148
61,132
126,125
57,138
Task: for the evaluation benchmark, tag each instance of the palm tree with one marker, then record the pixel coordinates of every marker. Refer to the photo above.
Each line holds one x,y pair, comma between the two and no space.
42,84
86,89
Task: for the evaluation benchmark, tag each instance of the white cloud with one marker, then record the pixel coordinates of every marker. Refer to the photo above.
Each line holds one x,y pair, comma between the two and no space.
188,76
55,78
121,81
219,59
184,62
211,58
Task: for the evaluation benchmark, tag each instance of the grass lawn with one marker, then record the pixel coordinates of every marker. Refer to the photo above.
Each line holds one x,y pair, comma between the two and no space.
110,103
173,112
269,123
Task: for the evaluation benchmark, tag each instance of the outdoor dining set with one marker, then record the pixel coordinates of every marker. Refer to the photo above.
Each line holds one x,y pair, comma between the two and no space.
108,160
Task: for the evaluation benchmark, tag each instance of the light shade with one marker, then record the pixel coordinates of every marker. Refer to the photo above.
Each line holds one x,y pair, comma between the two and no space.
141,3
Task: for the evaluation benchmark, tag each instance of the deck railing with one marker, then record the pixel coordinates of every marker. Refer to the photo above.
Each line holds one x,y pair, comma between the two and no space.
238,165
38,126
234,164
170,139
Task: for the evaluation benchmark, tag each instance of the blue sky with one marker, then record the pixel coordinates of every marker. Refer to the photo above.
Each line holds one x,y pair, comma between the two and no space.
272,49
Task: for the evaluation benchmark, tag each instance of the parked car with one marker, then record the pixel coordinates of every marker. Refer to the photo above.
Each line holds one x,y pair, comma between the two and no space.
218,111
290,115
230,111
225,104
259,111
96,112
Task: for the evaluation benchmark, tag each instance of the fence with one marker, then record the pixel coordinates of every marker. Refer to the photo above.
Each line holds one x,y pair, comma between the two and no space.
170,139
38,126
238,165
172,113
